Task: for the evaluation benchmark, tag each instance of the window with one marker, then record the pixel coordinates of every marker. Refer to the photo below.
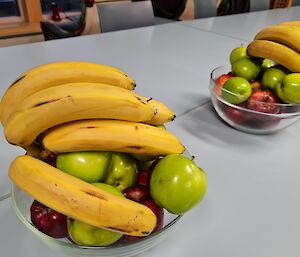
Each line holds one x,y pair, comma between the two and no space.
63,6
10,11
9,8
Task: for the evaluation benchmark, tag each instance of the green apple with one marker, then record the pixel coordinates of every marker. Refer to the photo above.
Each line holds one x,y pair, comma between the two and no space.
289,88
88,166
87,235
238,53
177,183
271,77
236,90
245,68
122,172
108,188
266,64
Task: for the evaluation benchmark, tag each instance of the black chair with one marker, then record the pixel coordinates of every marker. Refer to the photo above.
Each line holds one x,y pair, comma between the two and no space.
228,7
205,9
258,5
125,15
167,9
73,27
295,2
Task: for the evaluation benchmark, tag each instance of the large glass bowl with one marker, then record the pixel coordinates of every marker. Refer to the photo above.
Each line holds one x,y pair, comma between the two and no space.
250,121
22,202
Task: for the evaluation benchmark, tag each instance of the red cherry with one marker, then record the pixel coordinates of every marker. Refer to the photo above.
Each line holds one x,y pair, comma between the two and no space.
48,221
263,101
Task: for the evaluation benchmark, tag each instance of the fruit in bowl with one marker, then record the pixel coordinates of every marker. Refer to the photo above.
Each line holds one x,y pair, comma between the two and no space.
262,94
80,185
261,113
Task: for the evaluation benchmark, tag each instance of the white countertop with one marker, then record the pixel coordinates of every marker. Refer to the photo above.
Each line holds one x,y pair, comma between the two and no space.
244,26
251,208
169,62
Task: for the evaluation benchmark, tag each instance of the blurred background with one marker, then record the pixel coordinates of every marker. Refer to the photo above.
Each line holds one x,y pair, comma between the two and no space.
38,20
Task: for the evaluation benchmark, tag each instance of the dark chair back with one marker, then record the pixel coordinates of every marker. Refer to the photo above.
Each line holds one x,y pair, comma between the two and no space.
168,9
259,5
125,15
205,8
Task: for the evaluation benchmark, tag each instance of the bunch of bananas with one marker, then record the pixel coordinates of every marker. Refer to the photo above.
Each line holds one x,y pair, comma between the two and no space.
279,43
81,106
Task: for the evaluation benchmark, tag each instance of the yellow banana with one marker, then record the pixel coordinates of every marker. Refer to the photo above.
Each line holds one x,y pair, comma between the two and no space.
80,200
163,113
276,52
57,73
111,135
69,102
290,23
286,35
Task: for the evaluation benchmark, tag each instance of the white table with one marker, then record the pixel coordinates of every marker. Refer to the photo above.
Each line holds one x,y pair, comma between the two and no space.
250,208
169,62
244,26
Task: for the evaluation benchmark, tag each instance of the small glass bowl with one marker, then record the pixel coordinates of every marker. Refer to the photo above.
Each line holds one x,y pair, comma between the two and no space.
250,121
22,202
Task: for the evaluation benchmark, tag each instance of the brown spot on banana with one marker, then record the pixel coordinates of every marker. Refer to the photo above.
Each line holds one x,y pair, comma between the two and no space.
95,194
47,102
17,80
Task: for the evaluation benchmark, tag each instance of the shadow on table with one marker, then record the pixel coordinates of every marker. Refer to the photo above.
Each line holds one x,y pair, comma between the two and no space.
204,123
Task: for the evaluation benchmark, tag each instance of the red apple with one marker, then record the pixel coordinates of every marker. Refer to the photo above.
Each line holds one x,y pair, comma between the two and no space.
137,193
158,211
220,81
263,101
235,115
143,178
48,221
256,86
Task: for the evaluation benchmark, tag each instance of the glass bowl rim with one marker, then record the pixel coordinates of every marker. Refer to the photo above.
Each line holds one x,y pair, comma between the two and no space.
280,115
29,225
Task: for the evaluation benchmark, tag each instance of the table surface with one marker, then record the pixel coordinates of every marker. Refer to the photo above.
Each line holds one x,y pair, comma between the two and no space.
170,63
251,206
244,26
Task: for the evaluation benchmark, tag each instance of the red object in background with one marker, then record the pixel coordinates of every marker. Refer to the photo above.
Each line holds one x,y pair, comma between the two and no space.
89,3
55,12
50,222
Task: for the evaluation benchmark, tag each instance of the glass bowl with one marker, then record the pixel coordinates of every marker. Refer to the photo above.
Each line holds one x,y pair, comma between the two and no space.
250,121
22,202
